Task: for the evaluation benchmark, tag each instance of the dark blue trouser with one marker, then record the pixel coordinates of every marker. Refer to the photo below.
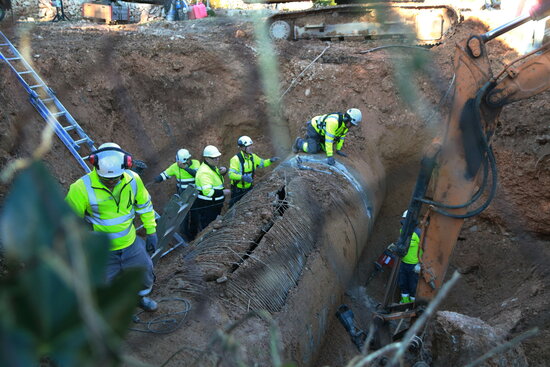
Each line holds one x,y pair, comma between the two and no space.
207,211
133,256
313,139
190,224
408,279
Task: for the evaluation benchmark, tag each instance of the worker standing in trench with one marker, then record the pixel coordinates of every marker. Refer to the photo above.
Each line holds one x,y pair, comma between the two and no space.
410,266
108,198
184,170
209,183
324,131
242,168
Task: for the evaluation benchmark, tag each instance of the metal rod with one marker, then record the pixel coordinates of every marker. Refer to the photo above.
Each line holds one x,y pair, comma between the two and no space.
505,28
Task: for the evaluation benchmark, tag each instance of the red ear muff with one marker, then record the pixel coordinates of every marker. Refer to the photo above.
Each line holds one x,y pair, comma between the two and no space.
128,161
93,160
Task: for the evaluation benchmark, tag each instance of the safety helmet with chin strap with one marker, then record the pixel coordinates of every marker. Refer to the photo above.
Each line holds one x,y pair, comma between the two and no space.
244,141
355,116
182,156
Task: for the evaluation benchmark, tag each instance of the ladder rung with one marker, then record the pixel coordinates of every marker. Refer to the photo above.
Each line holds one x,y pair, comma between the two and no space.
46,100
13,58
24,72
78,142
69,128
36,86
4,44
59,113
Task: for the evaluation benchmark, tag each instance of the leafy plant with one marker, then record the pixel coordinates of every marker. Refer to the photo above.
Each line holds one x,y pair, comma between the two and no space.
54,303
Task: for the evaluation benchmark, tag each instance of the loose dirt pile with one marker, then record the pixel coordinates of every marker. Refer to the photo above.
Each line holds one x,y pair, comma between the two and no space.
159,87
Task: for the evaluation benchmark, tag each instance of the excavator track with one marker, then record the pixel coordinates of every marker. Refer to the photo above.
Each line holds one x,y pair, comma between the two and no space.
421,24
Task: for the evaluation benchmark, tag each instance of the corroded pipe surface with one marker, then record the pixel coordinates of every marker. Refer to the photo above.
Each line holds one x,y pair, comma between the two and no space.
290,247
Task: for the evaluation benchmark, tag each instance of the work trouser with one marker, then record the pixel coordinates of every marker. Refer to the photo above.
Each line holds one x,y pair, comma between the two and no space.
237,193
207,211
313,139
190,224
408,279
133,256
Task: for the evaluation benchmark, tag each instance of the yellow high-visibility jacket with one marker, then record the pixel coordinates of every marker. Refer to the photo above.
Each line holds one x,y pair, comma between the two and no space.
209,183
113,212
183,178
243,163
333,128
412,256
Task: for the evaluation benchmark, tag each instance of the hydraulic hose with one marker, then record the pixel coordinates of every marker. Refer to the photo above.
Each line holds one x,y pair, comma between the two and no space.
492,164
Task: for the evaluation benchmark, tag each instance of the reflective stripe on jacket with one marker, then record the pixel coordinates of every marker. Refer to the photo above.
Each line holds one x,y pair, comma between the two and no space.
412,256
183,178
209,183
333,131
113,212
249,164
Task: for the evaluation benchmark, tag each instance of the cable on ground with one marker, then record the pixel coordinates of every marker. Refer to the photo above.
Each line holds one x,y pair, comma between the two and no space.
165,323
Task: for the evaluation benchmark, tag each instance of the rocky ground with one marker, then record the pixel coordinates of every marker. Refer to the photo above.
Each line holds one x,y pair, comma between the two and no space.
157,87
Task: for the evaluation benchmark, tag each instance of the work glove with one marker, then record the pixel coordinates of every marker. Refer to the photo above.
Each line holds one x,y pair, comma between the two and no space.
158,179
151,243
247,177
339,152
274,159
417,268
223,170
331,161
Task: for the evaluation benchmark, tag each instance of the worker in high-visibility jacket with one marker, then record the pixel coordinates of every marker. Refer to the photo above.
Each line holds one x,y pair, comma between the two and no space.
410,266
209,183
242,169
108,198
184,170
327,132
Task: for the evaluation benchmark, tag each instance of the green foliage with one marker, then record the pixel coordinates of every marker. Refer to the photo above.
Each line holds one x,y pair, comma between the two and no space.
54,302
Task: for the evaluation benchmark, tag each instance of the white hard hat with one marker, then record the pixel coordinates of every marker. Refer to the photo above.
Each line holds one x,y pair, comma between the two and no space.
404,214
244,141
211,151
354,115
182,155
109,162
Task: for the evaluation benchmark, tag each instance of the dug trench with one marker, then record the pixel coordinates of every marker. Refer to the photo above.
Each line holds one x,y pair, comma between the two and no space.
159,87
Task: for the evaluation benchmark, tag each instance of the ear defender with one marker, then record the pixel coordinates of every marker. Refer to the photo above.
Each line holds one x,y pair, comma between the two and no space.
127,162
92,158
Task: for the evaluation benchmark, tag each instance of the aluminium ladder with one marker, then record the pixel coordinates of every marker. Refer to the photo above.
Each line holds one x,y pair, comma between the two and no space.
50,108
46,103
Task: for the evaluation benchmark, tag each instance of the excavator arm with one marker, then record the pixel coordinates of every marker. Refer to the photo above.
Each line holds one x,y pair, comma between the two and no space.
460,162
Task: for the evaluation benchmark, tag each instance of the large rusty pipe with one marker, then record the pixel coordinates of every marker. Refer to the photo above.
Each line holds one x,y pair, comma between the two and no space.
299,260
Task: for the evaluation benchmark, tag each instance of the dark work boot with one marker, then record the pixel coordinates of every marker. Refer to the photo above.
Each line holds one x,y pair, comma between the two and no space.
298,143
